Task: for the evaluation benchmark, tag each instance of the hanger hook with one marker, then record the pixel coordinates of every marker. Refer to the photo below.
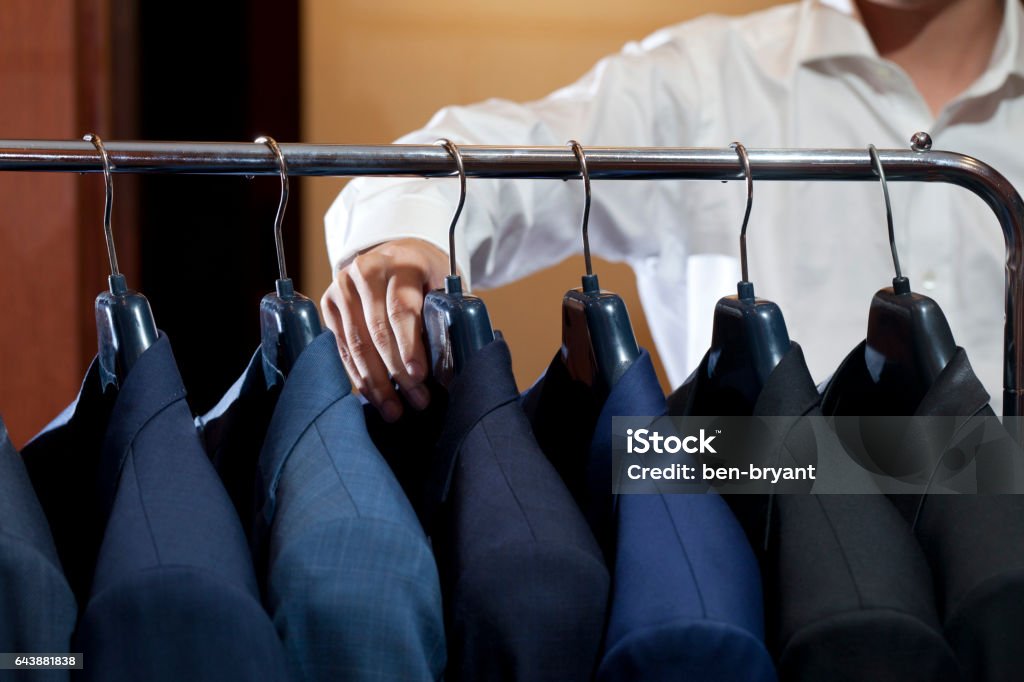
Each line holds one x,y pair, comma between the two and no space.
745,162
453,149
577,149
108,202
880,172
282,204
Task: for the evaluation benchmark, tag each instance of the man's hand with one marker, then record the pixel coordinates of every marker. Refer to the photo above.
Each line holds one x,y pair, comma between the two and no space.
375,309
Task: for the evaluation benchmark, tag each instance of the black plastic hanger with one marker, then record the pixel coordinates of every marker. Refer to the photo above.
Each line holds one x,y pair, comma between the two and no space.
598,343
909,341
749,336
124,321
456,324
288,320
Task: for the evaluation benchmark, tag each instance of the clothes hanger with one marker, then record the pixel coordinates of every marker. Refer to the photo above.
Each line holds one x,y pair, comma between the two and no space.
288,320
456,324
748,338
124,321
598,343
909,341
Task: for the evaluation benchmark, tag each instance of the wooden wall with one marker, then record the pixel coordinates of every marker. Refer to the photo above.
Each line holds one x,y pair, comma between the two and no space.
56,64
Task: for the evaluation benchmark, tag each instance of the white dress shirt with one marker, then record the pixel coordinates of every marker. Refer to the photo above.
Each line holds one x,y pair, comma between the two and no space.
802,75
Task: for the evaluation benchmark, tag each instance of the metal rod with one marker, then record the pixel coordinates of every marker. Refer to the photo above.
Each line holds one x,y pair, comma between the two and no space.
216,158
603,163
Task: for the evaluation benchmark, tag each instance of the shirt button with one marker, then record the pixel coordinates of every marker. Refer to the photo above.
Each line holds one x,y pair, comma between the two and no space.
929,281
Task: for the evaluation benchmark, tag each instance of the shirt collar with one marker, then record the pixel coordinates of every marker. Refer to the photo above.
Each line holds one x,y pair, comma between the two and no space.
830,29
1007,56
833,28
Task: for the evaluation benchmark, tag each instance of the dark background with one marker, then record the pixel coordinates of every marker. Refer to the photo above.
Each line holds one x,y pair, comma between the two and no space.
220,70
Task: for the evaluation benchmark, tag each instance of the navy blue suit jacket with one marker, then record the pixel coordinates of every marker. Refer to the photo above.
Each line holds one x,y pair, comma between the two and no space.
524,583
173,595
349,576
686,592
37,607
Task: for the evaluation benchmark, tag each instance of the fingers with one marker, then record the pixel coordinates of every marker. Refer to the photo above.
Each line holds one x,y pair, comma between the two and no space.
391,295
332,316
375,384
405,314
374,307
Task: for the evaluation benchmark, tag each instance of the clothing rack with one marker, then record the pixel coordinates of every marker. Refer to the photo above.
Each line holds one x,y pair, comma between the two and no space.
919,163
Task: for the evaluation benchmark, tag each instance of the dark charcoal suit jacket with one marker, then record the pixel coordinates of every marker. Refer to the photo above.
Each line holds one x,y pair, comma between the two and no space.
974,543
848,592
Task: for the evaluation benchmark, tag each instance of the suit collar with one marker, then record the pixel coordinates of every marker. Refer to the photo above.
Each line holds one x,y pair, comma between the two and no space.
956,391
904,448
485,384
89,406
789,391
636,394
252,382
575,432
153,383
316,382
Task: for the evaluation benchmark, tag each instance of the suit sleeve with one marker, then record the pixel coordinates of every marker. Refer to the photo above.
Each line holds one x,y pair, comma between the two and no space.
646,95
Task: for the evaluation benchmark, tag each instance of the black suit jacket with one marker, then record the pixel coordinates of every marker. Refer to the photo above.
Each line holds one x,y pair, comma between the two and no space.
974,543
848,591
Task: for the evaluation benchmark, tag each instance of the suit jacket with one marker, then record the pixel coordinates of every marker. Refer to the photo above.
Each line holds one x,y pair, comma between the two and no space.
63,462
233,433
349,576
848,592
37,607
173,595
524,583
686,593
974,543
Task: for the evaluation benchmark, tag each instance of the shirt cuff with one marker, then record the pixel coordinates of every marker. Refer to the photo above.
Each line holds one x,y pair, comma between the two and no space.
368,223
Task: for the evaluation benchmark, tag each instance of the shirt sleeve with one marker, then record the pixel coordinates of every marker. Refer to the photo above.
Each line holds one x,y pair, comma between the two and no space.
644,96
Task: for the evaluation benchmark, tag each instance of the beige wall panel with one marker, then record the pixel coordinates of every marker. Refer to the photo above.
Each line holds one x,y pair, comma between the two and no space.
375,70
